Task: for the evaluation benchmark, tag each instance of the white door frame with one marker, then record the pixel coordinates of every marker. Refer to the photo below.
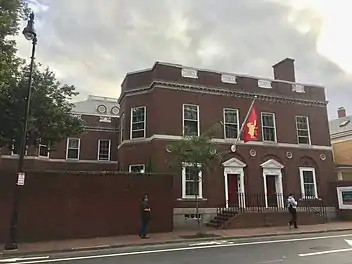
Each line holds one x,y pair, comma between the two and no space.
273,168
234,166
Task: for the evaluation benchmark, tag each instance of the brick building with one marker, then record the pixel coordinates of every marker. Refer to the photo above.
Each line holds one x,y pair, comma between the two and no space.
293,153
95,149
341,141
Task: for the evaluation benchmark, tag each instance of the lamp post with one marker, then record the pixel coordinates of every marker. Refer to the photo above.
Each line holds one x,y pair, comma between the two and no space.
30,34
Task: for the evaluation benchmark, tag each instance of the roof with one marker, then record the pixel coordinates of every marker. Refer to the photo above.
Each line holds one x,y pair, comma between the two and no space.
97,105
340,125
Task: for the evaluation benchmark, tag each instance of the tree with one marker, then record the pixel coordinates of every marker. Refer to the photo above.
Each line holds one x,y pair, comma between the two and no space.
200,153
50,118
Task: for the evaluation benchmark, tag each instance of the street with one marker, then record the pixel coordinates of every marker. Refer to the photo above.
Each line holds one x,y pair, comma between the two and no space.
304,249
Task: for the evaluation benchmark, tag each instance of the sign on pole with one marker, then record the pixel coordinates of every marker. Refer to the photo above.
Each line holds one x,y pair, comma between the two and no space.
20,178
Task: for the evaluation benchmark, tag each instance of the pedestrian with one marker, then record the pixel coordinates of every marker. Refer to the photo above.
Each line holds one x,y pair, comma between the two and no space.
292,208
145,216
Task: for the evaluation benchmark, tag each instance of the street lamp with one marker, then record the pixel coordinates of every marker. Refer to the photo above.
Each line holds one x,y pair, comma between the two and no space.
30,34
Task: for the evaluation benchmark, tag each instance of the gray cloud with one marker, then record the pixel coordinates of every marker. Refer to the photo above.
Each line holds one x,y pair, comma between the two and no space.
92,44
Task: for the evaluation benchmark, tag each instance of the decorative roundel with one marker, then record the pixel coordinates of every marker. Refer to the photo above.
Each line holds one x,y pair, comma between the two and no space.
233,148
252,152
168,149
212,151
289,155
322,156
101,109
115,110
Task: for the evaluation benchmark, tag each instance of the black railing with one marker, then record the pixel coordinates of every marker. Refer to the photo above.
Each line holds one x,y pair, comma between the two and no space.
273,202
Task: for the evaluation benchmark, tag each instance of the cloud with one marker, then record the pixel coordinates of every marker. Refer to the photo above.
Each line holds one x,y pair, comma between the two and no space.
92,44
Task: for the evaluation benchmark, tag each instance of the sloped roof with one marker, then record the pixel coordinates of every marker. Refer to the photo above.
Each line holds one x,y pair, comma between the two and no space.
340,125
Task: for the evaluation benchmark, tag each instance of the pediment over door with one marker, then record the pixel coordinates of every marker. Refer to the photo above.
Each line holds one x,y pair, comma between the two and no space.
272,164
234,162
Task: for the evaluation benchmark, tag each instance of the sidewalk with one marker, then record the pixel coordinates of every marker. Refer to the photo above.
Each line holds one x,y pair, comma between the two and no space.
163,238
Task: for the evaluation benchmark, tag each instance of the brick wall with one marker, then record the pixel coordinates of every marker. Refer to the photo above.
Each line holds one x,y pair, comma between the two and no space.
58,205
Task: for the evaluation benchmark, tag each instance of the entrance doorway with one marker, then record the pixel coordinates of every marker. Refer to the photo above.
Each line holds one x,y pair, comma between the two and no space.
271,190
234,187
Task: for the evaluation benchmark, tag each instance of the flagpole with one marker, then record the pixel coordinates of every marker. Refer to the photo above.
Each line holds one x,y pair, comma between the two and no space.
245,121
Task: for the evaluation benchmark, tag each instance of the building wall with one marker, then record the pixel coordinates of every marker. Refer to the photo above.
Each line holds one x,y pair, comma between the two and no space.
343,152
84,205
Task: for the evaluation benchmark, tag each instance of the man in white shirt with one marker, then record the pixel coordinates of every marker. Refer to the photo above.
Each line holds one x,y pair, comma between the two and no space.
292,208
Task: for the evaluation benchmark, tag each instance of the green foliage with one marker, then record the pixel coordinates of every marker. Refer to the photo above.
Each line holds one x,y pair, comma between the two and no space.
199,151
50,120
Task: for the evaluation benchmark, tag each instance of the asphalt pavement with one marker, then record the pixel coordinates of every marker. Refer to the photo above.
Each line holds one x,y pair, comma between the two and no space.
323,248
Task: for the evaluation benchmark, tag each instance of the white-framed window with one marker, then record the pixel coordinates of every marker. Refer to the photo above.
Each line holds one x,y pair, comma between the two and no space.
192,181
302,127
15,150
308,182
268,127
138,122
122,124
104,148
231,121
191,120
43,151
137,168
73,148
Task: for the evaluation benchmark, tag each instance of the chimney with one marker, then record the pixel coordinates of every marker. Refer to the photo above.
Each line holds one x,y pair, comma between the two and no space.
341,112
285,70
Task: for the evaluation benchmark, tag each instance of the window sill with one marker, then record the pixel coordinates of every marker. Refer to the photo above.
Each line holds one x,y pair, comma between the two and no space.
191,199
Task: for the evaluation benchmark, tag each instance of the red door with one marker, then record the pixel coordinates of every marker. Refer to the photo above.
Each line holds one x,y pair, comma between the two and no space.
271,190
232,186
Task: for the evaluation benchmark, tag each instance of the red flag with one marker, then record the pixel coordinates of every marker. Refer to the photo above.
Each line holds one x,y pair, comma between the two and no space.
250,132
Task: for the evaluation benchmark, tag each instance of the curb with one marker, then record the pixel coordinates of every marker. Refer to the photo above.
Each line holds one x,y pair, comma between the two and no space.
168,242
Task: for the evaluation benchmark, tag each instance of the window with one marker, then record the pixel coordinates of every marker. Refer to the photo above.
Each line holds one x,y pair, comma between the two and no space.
190,120
137,168
268,127
308,182
230,123
302,126
189,73
73,148
138,121
43,151
191,182
122,124
15,150
103,149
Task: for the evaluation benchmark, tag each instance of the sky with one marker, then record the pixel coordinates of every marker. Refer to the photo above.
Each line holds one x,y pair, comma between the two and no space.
92,44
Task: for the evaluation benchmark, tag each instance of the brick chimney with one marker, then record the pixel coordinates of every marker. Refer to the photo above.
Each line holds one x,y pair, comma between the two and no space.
341,112
285,70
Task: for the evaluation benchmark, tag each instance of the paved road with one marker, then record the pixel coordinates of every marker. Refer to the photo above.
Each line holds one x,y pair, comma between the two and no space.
325,248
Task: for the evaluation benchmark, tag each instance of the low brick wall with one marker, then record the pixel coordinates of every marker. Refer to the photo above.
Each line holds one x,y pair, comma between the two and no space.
66,205
267,219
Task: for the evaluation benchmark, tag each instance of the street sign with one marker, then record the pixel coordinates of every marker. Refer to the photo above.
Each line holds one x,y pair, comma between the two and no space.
20,178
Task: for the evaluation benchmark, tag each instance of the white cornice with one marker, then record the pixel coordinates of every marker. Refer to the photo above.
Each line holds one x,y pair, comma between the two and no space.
221,91
229,142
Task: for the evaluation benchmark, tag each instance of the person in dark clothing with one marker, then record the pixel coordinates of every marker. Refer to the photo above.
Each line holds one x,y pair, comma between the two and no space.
145,217
292,208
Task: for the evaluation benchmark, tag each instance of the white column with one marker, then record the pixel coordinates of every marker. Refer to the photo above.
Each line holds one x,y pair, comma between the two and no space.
242,199
280,191
226,189
339,175
265,190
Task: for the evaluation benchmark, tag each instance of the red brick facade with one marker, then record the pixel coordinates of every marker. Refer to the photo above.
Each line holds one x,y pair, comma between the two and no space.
162,91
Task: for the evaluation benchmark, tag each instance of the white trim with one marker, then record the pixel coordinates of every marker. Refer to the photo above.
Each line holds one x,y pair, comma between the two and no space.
79,148
308,129
341,139
339,191
122,127
229,142
235,166
200,182
144,123
45,146
301,170
183,118
237,120
136,165
109,154
274,121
